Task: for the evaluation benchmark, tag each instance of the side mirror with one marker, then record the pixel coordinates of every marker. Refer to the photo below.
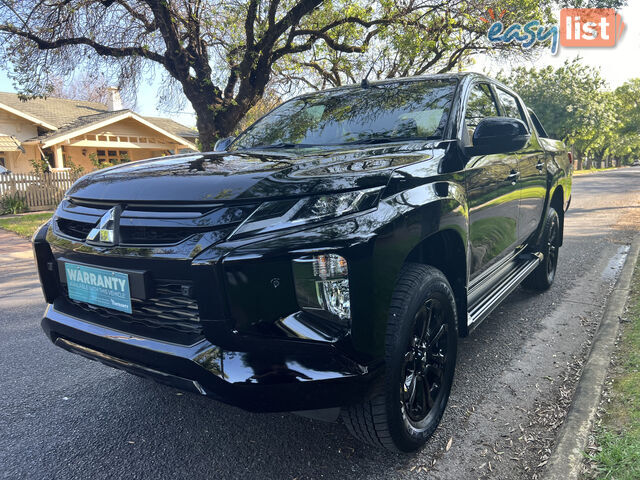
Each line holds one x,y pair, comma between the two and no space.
498,135
222,144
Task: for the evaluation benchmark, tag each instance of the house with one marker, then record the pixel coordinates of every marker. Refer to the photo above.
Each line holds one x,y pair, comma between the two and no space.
72,132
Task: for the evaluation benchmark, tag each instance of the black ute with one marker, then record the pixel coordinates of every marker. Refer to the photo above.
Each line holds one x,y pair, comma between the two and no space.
325,260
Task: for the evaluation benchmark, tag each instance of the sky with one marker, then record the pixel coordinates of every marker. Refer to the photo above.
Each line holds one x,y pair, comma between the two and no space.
617,64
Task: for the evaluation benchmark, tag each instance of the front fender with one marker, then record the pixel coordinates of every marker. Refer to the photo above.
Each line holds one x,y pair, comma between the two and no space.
412,216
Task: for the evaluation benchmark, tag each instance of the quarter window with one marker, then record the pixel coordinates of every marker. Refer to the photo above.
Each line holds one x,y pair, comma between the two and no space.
481,104
542,133
511,106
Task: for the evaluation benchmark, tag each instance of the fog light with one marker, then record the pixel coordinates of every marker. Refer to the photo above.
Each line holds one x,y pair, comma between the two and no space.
322,287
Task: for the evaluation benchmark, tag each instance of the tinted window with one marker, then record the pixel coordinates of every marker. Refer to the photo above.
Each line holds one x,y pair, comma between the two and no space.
510,106
379,113
542,133
480,104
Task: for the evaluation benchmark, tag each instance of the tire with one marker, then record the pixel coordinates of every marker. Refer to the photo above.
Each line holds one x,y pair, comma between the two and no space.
403,414
543,276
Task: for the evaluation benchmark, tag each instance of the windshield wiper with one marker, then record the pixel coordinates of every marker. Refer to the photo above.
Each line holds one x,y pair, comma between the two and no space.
283,145
374,140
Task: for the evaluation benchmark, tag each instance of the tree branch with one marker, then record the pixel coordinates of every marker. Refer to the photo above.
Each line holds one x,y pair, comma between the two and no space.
105,50
149,26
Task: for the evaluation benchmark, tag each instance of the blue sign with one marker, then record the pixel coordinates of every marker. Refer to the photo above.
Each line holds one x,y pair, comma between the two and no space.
97,286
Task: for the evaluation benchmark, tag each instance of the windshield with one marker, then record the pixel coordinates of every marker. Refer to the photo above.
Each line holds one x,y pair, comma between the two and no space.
408,110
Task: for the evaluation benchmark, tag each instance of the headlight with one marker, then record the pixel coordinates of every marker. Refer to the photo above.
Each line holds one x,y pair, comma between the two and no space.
280,214
322,287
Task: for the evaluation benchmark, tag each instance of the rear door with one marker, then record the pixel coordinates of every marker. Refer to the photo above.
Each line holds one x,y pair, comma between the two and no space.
491,189
532,168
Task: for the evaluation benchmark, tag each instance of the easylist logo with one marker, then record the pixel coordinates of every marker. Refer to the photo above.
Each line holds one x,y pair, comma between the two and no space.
579,27
590,27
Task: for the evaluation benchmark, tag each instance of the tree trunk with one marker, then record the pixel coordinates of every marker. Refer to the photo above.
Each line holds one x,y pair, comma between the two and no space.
215,118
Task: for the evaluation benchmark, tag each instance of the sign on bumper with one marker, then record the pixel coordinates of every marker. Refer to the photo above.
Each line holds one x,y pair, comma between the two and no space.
97,286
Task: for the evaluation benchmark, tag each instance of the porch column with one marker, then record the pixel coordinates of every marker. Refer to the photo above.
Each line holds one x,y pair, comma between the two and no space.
57,156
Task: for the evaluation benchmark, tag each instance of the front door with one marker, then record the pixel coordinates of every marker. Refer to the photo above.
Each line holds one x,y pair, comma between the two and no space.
492,190
532,168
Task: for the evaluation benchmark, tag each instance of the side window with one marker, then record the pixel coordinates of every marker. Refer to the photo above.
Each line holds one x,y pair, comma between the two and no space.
480,104
542,133
510,106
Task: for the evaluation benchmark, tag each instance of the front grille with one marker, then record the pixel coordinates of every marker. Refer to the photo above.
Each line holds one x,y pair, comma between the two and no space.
169,315
155,236
74,229
131,235
147,224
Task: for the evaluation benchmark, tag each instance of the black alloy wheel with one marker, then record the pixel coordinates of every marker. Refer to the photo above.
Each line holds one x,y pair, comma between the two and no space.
425,363
543,276
420,358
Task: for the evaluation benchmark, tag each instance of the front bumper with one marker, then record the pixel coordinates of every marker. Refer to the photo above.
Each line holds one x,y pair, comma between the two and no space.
283,375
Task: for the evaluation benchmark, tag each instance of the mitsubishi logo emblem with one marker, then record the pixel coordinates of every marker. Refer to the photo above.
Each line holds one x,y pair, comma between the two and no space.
106,231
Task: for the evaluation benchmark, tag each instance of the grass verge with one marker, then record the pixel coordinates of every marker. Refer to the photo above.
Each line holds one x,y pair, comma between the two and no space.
24,225
594,170
619,435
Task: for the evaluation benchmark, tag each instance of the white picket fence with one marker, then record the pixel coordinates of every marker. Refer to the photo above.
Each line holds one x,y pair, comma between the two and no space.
41,191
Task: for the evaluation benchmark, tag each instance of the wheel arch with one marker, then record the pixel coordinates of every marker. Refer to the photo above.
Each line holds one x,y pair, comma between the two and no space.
445,250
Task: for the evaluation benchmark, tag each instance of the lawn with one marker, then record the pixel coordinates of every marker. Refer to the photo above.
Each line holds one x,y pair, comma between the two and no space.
594,170
619,436
24,225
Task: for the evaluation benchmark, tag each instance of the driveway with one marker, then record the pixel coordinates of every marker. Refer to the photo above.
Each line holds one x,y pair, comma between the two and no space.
62,416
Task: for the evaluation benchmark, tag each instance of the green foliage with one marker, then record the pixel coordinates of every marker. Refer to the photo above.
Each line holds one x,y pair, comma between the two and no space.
106,164
40,165
563,98
627,145
619,436
13,203
74,168
575,104
25,225
223,56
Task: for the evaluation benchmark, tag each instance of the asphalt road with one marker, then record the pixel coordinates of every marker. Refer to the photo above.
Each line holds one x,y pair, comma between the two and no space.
62,416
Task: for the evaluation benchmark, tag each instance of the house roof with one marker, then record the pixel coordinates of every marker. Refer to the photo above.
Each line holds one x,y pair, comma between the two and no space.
60,115
174,127
54,111
86,124
79,122
8,143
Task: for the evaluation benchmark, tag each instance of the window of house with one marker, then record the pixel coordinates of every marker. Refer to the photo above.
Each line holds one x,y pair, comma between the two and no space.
102,156
112,156
2,162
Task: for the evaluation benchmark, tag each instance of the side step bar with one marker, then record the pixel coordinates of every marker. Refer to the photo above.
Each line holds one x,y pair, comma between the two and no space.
486,305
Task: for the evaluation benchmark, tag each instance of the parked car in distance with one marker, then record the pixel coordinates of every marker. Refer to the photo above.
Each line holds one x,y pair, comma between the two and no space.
636,163
326,260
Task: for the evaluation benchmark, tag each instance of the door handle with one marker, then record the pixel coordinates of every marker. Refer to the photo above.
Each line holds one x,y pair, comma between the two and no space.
513,176
540,165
